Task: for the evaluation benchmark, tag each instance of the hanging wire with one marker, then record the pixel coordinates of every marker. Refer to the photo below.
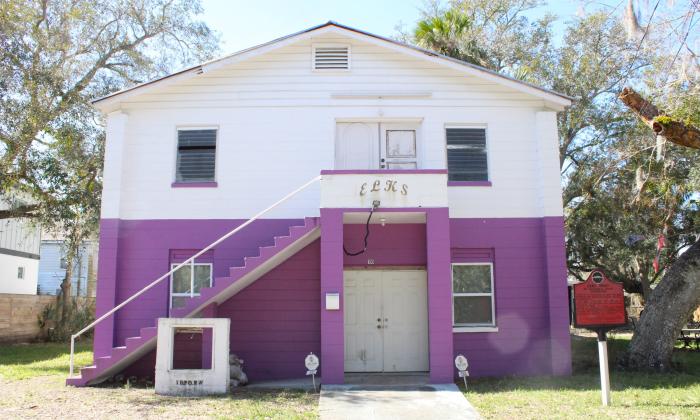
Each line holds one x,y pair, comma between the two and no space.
353,254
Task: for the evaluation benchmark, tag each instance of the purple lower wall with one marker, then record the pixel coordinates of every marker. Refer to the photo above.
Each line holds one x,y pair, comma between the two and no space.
520,257
276,321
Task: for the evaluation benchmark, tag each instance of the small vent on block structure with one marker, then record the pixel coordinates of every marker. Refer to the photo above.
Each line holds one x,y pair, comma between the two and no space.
331,57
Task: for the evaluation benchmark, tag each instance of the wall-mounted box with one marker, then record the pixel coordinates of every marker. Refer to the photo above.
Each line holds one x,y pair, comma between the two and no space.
332,301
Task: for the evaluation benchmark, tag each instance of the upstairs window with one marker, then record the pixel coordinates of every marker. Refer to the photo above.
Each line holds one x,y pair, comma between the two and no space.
196,155
466,154
331,57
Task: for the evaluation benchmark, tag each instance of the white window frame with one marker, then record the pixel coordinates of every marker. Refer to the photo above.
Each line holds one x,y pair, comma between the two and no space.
192,127
473,327
313,58
191,294
486,145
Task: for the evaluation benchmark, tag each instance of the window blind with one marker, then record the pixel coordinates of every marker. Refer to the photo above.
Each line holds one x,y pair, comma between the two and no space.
466,154
196,155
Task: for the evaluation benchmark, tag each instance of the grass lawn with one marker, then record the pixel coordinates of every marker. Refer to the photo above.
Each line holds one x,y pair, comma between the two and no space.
32,385
634,395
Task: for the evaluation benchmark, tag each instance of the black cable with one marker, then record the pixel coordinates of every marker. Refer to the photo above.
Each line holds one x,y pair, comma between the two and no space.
353,254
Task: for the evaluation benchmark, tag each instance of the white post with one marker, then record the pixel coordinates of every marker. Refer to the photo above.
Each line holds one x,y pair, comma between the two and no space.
72,351
192,279
604,371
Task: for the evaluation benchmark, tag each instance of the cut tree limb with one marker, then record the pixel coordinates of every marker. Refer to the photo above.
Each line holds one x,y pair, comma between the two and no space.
663,125
28,210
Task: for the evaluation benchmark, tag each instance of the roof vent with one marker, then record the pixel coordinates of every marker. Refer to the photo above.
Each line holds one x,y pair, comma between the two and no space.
335,57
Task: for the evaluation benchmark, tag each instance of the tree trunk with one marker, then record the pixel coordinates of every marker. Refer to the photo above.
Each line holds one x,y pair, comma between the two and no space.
64,302
667,310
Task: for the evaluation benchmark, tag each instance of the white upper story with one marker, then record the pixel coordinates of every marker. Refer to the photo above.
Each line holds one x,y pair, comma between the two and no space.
276,120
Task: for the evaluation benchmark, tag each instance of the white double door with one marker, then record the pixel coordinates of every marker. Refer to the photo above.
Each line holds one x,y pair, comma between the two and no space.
386,321
368,145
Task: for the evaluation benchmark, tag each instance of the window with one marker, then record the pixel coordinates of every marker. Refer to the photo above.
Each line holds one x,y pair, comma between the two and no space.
63,264
185,284
466,154
196,155
331,57
20,273
472,295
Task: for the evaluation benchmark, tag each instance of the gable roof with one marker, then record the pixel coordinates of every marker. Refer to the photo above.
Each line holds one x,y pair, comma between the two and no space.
555,99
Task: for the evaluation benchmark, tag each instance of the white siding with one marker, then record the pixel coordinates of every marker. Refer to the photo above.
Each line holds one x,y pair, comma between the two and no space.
9,283
51,274
276,119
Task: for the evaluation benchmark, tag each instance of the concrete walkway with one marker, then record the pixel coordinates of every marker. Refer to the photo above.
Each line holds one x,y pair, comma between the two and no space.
419,402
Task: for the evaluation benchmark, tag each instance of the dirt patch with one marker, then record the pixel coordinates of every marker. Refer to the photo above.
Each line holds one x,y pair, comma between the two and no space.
48,397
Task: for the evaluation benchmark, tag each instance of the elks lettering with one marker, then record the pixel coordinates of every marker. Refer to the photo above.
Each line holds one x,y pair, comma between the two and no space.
389,186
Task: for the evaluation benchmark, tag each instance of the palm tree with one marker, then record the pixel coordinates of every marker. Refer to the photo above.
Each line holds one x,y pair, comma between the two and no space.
448,34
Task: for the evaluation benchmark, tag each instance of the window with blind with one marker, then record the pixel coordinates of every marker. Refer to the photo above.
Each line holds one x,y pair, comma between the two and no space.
196,155
466,154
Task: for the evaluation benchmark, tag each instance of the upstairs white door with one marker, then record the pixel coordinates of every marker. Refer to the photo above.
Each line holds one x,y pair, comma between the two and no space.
357,146
386,321
399,146
362,145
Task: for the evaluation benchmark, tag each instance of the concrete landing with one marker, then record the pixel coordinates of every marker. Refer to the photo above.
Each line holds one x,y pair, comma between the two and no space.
405,402
301,384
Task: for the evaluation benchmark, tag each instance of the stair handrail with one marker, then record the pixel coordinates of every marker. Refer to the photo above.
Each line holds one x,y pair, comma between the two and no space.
182,264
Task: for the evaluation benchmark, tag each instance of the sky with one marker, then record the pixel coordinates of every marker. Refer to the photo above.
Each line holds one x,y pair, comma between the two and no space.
245,23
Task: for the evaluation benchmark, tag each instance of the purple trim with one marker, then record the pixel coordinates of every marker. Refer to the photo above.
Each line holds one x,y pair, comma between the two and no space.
212,184
332,322
382,171
468,183
437,233
110,232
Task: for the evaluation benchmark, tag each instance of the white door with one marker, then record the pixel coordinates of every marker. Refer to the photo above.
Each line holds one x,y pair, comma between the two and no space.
399,146
357,146
362,145
363,337
386,321
405,311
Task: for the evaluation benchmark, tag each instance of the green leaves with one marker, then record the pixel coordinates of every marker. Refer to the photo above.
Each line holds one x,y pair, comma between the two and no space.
54,58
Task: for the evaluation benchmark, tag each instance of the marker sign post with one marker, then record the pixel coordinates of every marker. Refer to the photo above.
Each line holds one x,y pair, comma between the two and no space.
599,305
462,365
311,362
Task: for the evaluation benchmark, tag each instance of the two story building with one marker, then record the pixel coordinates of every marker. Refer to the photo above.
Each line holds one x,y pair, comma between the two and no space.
429,224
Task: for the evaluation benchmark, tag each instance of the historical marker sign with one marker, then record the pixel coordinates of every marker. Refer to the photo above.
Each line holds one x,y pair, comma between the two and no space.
599,303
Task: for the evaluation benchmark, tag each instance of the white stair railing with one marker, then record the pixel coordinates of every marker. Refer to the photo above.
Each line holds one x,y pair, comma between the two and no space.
188,261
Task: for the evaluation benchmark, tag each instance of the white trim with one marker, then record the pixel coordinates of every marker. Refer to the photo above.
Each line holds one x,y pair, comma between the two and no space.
191,294
473,327
485,127
314,47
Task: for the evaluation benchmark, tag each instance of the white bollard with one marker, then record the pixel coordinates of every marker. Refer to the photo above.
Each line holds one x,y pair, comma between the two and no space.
604,370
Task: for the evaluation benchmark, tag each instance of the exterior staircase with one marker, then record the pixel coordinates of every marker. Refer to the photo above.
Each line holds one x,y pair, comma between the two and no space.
224,288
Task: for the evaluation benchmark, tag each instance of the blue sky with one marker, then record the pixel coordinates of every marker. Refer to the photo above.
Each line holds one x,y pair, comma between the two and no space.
244,23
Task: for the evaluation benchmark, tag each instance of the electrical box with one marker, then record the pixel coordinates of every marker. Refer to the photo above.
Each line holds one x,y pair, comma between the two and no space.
332,301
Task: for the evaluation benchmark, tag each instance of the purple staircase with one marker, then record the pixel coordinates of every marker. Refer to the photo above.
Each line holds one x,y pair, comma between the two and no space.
223,289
